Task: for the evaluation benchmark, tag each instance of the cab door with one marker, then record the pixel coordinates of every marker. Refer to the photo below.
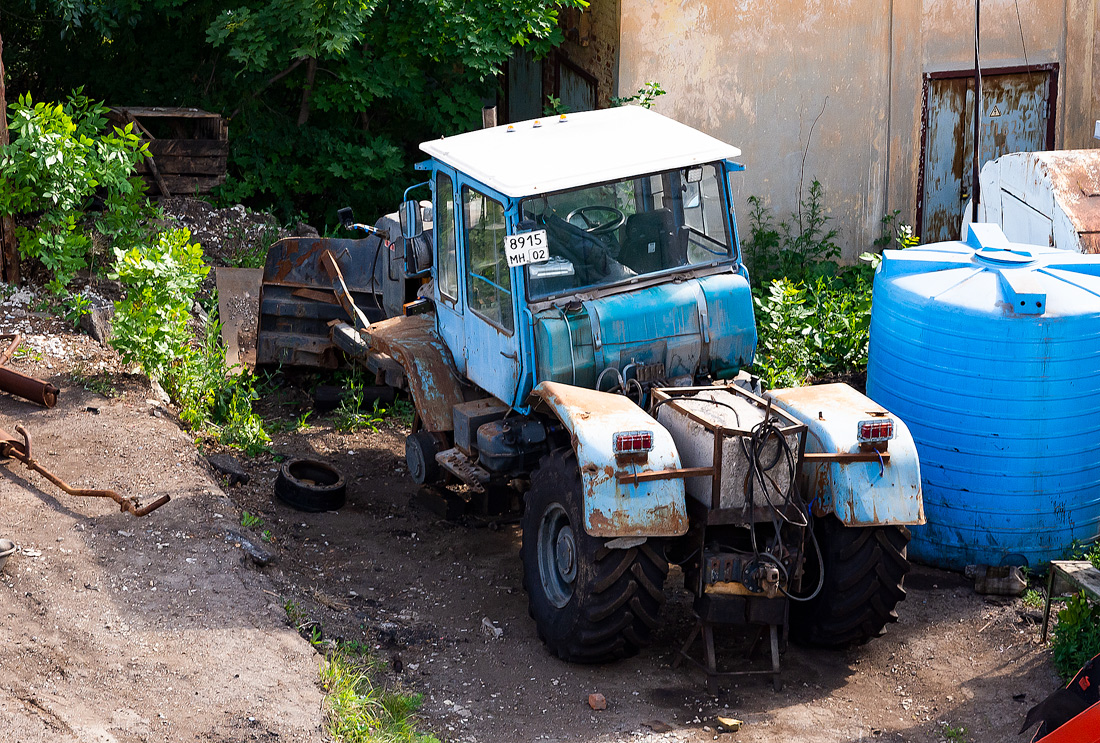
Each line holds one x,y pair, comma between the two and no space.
492,340
448,278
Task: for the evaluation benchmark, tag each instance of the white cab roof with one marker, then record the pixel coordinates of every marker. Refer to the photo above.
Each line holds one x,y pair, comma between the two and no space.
577,150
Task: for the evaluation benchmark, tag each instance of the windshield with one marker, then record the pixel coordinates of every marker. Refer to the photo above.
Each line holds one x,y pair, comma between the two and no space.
612,232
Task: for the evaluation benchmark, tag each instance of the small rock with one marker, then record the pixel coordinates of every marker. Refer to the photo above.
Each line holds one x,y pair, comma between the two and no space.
597,701
97,322
491,630
229,466
259,555
158,392
660,726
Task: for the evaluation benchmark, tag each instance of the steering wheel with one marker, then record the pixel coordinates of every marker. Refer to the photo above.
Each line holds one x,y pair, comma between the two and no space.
598,228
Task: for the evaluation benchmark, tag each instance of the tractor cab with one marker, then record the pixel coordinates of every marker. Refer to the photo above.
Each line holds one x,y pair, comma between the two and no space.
595,242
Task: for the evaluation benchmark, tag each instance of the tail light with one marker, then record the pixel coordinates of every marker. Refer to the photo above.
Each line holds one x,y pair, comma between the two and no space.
633,442
876,430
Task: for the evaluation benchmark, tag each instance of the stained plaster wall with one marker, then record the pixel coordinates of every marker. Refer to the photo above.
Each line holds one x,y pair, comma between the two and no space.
832,89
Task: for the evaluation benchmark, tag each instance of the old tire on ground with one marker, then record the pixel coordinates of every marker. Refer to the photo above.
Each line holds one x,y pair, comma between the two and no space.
309,485
590,604
865,569
420,450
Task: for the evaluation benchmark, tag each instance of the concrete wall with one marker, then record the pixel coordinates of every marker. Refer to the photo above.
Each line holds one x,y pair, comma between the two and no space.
832,89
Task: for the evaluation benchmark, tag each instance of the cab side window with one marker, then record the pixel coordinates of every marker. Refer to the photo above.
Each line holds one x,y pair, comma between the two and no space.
488,282
445,237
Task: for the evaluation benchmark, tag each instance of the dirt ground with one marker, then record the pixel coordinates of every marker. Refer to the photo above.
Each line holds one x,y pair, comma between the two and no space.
165,629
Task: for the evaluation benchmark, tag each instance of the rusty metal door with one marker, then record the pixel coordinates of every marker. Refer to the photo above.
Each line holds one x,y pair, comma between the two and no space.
1017,116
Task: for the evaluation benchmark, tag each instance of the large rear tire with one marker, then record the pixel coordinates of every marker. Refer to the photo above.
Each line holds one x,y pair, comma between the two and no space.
590,604
865,569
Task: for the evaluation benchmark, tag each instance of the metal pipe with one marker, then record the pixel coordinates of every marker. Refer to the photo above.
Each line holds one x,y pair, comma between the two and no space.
21,450
976,164
28,388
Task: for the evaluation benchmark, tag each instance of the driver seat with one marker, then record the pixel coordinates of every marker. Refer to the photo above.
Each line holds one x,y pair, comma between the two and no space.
648,242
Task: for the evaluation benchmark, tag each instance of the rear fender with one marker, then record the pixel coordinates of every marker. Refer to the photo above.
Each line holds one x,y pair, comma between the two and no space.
613,509
859,493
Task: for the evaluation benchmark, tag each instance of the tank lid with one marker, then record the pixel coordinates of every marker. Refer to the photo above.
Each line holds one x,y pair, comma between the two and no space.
1024,275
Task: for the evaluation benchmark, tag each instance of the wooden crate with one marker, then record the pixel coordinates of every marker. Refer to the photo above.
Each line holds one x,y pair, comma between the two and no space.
188,147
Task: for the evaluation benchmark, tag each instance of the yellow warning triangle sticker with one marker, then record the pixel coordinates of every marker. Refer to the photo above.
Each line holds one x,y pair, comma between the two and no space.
995,112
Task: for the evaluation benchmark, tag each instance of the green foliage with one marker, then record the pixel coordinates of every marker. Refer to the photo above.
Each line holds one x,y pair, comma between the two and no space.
895,234
361,711
1076,637
59,156
801,248
151,323
1033,599
251,520
645,96
215,401
955,734
806,330
327,101
353,414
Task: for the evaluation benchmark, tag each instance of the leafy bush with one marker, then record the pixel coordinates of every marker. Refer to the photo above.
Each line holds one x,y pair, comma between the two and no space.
806,330
59,157
160,279
1076,637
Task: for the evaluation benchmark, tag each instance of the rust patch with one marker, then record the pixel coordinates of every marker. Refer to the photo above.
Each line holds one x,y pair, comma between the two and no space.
429,367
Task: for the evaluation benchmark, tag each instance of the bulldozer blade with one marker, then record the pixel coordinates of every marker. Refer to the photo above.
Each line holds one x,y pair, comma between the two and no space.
239,312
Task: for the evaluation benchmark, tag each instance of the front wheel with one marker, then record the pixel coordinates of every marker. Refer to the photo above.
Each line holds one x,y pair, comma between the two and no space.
590,604
865,569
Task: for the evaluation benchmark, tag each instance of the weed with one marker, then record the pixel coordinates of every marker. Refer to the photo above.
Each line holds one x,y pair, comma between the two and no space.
97,384
267,536
1076,637
358,710
955,735
251,520
895,234
808,330
350,415
645,96
1033,599
213,400
24,353
295,617
801,248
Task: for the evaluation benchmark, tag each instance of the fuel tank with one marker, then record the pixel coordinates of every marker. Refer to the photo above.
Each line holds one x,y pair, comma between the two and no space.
692,327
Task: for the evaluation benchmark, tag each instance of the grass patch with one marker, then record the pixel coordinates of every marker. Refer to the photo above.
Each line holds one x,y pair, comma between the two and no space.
357,710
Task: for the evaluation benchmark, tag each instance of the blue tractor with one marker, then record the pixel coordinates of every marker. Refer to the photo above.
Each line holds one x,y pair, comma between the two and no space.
569,321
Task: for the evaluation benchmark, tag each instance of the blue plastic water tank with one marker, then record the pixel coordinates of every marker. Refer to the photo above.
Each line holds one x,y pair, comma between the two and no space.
990,353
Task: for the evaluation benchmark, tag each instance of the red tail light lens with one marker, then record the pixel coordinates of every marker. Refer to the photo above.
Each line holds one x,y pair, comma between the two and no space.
633,442
878,429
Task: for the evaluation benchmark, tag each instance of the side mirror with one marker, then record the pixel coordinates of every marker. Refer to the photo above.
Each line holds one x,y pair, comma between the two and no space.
418,257
412,224
345,217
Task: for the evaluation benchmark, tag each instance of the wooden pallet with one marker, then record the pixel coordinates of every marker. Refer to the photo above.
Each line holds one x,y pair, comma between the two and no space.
188,148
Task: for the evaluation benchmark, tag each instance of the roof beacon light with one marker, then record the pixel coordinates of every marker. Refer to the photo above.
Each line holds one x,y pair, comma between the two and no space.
537,124
562,119
875,430
633,442
510,128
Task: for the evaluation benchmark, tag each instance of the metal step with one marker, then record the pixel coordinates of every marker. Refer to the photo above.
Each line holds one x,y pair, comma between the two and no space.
459,465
